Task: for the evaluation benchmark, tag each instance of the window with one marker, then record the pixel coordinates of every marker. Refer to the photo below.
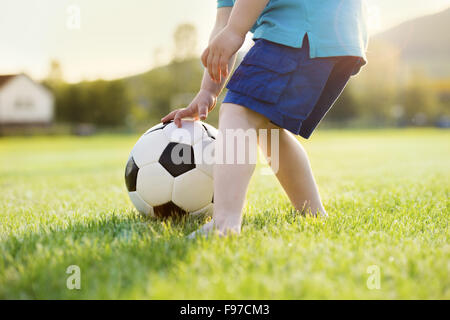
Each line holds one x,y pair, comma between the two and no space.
23,103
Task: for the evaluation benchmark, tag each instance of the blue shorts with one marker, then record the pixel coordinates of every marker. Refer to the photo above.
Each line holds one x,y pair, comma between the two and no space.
288,87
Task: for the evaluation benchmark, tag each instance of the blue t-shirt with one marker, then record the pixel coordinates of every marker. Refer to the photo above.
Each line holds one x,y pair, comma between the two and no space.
334,27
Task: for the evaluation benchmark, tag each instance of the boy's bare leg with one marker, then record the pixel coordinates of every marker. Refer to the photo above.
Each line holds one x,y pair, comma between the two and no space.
294,172
231,179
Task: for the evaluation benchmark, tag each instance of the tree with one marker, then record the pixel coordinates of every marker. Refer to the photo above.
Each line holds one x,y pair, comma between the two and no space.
114,104
419,101
345,107
104,103
185,39
376,87
55,74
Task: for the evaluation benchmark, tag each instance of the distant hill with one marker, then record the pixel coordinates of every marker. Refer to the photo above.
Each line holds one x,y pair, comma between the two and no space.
423,42
163,88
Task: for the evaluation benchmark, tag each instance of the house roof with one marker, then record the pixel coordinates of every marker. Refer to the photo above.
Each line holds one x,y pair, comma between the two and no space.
5,78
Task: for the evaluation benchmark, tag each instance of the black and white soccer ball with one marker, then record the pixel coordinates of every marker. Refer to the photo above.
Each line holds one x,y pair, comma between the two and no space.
170,170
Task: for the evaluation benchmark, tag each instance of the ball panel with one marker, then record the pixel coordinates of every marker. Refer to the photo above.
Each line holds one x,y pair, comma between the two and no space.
168,210
204,155
189,133
177,158
159,126
207,211
149,148
210,130
140,204
131,171
154,184
192,190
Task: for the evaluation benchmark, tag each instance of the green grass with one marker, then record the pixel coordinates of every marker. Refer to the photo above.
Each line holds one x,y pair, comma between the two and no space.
63,202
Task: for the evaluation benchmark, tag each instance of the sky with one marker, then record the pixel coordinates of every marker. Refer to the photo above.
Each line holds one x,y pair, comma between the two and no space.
116,38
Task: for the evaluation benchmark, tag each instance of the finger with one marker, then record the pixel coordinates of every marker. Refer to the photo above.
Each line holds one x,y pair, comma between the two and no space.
204,57
203,111
182,113
209,65
170,116
223,65
215,68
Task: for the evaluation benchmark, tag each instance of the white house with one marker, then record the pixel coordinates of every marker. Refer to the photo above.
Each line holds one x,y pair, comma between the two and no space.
24,102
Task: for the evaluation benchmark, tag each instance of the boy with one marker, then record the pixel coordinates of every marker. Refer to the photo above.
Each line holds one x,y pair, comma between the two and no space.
305,52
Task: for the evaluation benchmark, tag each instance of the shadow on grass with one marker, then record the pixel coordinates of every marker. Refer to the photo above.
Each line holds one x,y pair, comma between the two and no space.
117,256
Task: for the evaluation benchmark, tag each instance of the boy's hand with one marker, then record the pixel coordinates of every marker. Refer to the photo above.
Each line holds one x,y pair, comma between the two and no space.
219,52
203,102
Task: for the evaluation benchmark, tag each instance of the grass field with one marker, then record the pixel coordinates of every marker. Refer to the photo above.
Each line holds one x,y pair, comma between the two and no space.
63,202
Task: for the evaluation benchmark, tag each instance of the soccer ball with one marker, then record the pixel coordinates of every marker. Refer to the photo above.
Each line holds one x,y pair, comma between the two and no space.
170,170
